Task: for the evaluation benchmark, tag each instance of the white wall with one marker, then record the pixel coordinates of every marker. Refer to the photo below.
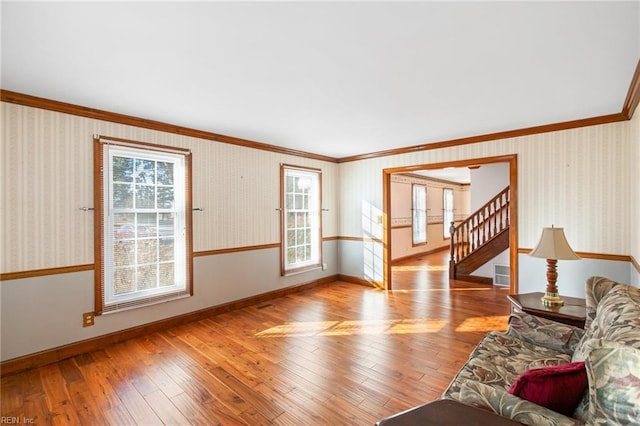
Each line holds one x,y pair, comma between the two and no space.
572,274
564,177
47,175
487,181
401,214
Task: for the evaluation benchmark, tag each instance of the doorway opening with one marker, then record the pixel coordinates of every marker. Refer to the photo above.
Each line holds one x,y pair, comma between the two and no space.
513,209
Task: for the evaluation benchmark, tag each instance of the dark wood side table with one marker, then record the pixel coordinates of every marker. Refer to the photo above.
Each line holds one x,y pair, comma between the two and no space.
573,312
446,412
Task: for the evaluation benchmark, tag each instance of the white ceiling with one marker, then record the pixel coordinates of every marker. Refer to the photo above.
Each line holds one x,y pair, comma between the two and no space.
450,174
330,78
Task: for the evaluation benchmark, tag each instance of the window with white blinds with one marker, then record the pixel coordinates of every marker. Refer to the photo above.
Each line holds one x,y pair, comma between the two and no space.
419,213
143,232
447,211
301,219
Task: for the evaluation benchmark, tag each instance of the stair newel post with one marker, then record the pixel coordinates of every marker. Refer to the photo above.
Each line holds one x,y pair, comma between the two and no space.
452,259
452,233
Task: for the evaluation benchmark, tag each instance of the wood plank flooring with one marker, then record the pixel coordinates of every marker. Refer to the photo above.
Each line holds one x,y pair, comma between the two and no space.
341,354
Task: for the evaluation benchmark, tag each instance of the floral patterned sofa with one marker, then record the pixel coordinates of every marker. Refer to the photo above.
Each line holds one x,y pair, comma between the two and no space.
609,346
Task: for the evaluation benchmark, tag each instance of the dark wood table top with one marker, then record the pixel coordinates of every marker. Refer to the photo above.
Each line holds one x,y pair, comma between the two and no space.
573,311
446,412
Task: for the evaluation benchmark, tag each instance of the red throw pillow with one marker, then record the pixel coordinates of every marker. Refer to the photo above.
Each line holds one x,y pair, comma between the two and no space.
559,388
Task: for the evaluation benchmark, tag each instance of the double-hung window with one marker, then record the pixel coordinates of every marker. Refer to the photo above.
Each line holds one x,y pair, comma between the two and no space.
447,211
301,219
143,224
419,213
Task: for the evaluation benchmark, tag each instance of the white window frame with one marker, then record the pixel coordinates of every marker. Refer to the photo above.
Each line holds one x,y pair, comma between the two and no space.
419,214
447,211
305,236
109,228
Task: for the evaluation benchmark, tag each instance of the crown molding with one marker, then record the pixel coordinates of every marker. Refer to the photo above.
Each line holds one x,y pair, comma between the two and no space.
566,125
630,104
633,95
67,108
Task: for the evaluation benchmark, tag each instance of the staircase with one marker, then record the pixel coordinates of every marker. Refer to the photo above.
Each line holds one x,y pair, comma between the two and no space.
479,238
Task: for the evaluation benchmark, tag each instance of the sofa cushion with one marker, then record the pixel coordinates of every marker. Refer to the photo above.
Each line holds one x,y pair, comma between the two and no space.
499,359
617,319
614,383
559,388
544,332
510,406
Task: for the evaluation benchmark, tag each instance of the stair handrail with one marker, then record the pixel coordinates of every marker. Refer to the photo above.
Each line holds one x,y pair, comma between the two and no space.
480,226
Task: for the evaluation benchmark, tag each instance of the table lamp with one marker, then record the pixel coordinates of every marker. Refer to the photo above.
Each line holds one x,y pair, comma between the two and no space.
553,246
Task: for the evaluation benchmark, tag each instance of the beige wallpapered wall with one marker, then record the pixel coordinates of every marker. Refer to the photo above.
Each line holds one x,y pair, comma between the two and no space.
47,176
579,179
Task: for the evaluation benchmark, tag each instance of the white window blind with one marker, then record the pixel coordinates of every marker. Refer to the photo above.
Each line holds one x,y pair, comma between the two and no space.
144,250
419,213
447,203
301,219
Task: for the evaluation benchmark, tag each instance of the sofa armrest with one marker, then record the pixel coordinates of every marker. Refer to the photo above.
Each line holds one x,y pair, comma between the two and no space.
544,332
510,406
595,290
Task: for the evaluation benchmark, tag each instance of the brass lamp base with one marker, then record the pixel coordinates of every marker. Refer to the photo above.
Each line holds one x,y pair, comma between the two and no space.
552,299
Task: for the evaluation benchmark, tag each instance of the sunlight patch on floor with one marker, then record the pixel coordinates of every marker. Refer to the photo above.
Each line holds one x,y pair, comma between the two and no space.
308,328
429,290
488,323
417,268
356,327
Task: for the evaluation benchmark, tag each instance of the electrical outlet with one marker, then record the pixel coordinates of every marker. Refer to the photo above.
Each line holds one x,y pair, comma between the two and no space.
324,267
87,319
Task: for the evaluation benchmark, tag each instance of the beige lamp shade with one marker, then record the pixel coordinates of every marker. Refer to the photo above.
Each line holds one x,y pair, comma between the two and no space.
553,245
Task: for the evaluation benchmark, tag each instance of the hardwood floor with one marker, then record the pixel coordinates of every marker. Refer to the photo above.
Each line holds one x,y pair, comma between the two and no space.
341,354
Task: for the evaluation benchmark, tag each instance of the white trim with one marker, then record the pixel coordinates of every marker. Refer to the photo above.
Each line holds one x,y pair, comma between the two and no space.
176,231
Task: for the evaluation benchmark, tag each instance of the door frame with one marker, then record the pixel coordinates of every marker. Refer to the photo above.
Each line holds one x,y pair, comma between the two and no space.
512,159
